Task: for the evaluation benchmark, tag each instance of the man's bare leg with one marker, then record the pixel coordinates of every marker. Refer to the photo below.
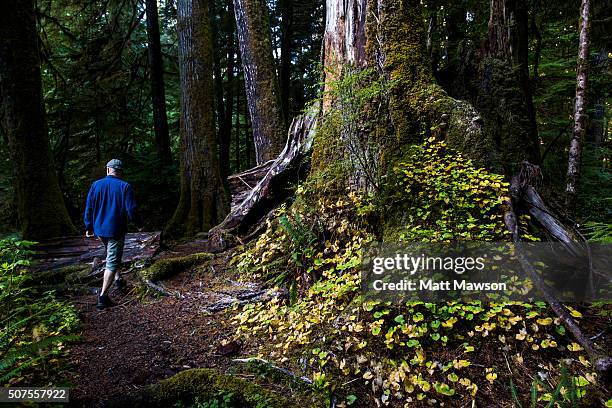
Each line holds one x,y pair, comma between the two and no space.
109,276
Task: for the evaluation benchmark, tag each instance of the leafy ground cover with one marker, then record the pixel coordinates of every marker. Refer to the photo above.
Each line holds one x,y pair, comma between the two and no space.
373,353
36,325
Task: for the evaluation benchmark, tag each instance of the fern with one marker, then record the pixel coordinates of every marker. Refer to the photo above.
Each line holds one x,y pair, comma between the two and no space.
568,400
598,232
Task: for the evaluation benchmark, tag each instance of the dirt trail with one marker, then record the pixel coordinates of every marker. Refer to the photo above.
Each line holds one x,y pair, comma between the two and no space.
139,342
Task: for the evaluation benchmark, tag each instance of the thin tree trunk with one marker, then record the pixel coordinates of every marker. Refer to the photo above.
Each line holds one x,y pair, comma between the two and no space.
237,131
580,114
226,125
219,100
261,82
286,46
40,204
158,93
537,52
204,199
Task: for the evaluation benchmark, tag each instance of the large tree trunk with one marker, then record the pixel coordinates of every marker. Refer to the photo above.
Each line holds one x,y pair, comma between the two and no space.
388,36
204,200
158,93
580,114
261,83
505,99
40,205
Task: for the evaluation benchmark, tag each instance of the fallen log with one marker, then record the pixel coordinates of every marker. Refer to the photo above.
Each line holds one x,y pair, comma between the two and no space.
66,251
523,194
273,188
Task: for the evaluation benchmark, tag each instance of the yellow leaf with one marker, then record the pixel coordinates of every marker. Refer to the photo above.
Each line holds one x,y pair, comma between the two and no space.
574,347
545,322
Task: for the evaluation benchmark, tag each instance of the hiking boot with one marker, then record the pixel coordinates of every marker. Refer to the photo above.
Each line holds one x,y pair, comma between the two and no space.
104,302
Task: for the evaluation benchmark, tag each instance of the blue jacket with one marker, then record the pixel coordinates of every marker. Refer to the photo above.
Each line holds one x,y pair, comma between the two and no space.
110,203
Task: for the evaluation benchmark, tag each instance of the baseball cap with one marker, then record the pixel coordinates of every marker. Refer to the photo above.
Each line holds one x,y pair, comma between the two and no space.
115,164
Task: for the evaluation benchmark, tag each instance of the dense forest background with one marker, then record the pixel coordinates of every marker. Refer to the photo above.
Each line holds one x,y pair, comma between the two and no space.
97,91
96,73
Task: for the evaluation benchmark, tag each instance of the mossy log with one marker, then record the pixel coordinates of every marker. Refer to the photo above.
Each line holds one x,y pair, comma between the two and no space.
165,268
206,385
68,274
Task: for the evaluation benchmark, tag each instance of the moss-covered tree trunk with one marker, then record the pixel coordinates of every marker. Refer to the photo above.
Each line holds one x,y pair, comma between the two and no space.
388,37
204,199
40,204
261,82
505,92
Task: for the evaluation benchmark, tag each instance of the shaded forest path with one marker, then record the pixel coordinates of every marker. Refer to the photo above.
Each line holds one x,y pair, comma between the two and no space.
147,338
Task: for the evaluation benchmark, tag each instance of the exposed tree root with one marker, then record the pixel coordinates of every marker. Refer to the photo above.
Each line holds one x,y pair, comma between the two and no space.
159,288
267,364
165,268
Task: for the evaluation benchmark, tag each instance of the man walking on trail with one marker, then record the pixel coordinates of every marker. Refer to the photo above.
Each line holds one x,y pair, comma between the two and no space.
110,203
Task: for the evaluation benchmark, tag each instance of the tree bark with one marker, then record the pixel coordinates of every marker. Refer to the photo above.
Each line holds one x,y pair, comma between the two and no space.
158,93
40,205
504,98
261,82
237,133
219,97
580,114
204,200
286,49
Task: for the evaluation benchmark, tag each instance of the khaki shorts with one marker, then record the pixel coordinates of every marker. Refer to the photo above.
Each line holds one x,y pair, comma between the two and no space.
114,252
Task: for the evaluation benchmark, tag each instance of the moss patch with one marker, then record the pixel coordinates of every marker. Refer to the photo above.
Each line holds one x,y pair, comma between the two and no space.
69,274
164,268
204,385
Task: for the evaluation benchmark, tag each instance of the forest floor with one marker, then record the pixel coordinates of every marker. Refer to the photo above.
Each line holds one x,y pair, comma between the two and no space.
146,338
141,342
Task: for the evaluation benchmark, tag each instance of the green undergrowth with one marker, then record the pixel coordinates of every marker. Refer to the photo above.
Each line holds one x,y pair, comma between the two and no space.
440,196
372,353
35,327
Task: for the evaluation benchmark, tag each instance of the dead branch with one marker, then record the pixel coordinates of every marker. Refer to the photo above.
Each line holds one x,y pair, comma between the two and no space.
522,192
